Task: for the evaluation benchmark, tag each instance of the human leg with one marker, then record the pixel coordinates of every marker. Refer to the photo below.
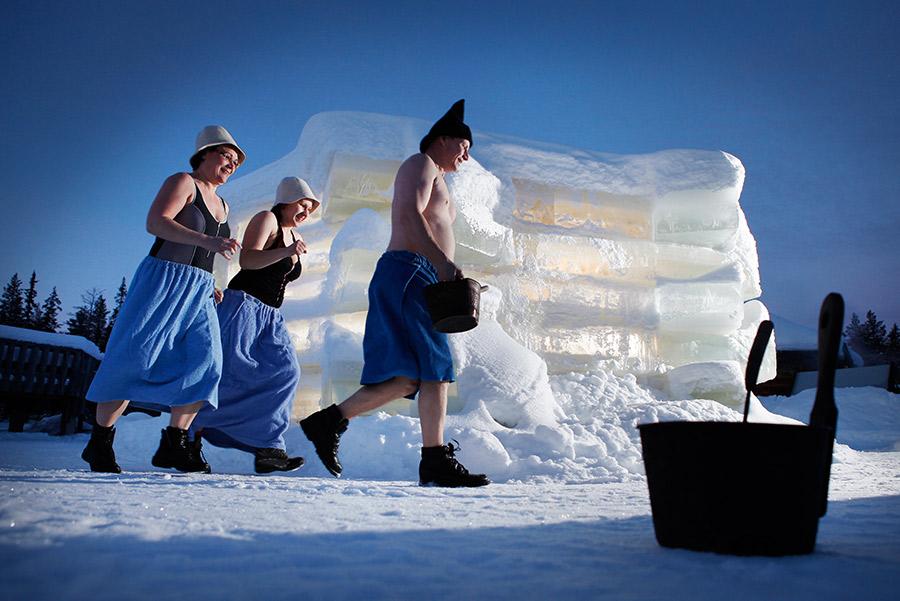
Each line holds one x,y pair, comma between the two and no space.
373,396
183,415
432,411
108,413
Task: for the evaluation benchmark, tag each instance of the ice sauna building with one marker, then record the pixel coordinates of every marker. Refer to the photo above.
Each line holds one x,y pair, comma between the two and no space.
637,263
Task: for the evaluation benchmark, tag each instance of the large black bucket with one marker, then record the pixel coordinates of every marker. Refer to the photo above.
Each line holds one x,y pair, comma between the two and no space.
746,488
454,305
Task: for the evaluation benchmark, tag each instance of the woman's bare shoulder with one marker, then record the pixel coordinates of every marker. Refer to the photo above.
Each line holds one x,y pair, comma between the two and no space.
180,183
265,220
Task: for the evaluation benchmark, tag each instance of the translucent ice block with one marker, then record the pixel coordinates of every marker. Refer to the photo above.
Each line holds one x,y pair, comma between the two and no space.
683,262
579,302
631,349
696,217
699,307
587,212
615,260
555,255
357,182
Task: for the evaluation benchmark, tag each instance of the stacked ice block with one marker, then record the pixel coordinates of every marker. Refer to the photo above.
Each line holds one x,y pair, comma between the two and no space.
642,263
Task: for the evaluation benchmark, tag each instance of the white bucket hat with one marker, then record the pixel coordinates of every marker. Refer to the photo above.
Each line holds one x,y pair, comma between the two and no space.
292,189
216,135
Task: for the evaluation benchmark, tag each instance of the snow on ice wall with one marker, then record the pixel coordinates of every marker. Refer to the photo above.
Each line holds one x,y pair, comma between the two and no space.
641,264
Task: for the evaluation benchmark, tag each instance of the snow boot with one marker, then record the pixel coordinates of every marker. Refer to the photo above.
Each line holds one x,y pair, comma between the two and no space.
99,450
196,449
176,451
439,467
324,428
275,460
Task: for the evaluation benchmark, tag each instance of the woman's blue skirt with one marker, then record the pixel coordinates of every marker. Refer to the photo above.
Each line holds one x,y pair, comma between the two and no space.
260,373
164,350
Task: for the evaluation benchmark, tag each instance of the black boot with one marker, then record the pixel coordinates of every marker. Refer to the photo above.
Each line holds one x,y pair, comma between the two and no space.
324,428
175,451
197,458
439,467
275,460
99,450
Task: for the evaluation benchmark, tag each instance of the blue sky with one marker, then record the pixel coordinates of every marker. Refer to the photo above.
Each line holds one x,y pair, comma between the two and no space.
102,101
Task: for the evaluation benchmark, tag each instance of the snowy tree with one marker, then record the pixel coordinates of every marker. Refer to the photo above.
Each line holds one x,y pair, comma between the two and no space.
12,306
32,313
49,317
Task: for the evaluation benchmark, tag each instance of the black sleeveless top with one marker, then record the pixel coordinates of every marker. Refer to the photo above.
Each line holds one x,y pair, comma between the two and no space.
268,283
194,216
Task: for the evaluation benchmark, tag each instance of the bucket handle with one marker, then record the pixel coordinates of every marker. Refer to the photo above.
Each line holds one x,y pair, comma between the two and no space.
824,413
831,322
754,361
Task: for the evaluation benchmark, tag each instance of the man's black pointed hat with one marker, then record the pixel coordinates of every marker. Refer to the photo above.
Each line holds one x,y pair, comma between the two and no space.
451,124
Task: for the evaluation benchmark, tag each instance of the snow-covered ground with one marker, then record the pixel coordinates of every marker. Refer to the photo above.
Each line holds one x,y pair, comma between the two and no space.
553,527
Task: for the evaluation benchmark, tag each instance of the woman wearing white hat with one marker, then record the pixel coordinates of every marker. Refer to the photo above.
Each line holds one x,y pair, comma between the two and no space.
260,369
164,352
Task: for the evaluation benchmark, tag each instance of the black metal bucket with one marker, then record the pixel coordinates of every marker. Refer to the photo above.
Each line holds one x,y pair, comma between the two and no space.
454,305
747,488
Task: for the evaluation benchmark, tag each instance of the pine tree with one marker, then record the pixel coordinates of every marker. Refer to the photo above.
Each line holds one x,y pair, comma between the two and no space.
32,313
120,300
99,325
49,318
873,332
80,322
12,309
893,339
853,332
90,318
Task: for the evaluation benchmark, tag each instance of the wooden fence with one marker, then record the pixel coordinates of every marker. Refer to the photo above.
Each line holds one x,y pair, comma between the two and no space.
38,379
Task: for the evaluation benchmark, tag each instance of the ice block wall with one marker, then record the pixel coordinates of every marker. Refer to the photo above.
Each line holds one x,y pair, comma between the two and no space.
640,263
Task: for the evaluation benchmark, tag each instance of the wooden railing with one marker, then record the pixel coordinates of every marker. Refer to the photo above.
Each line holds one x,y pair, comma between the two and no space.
38,379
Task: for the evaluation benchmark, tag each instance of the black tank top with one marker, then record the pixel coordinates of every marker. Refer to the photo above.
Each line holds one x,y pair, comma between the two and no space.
268,283
194,216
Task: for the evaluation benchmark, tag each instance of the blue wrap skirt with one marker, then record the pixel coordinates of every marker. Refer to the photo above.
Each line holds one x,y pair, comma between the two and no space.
260,373
164,349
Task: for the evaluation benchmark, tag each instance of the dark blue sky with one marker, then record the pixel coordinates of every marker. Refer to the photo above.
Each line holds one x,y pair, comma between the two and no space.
102,101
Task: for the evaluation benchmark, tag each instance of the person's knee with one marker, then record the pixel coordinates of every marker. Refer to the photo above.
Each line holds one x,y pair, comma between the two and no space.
432,390
406,385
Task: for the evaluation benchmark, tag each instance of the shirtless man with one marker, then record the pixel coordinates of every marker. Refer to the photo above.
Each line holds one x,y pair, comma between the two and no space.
403,354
